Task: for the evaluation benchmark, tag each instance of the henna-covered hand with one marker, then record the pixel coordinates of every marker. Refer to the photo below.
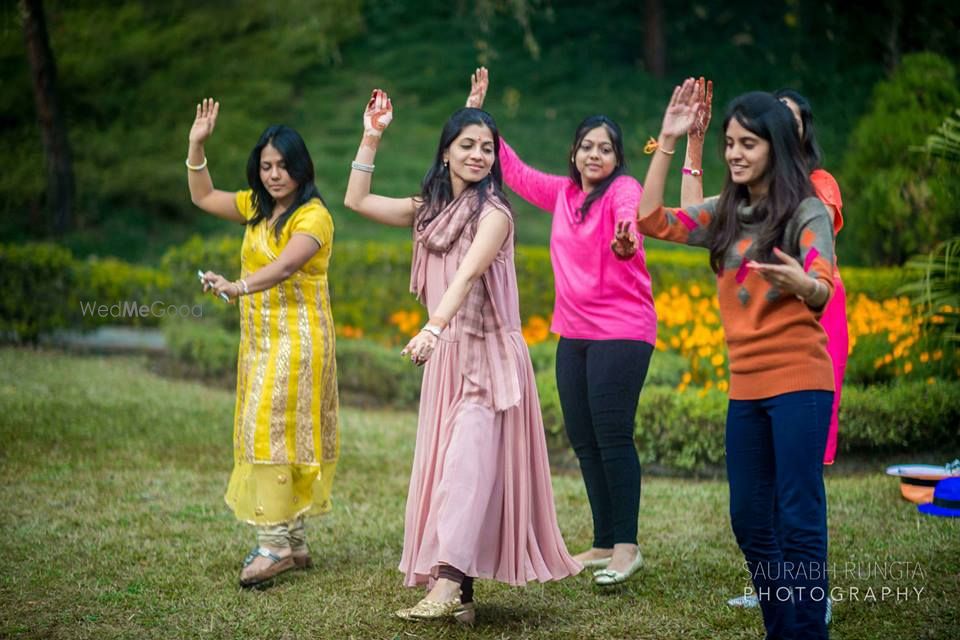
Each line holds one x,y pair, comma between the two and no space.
378,114
624,244
420,347
704,99
479,83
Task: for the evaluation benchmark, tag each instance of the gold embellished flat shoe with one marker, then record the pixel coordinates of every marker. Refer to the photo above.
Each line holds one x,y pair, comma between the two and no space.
431,610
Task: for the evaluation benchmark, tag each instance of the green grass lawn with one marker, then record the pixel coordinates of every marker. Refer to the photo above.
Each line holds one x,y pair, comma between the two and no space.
115,527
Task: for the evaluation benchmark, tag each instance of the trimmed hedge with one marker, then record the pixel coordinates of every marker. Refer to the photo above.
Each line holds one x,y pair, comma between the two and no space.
109,281
368,373
39,290
683,431
369,282
204,347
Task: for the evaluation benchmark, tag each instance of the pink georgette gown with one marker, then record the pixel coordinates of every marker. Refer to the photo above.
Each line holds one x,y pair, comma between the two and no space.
480,497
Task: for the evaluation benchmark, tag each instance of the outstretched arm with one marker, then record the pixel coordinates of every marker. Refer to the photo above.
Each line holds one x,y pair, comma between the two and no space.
538,188
202,192
652,219
691,185
492,231
396,212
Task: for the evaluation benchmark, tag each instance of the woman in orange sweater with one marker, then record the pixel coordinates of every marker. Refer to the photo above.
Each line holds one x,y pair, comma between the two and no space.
771,246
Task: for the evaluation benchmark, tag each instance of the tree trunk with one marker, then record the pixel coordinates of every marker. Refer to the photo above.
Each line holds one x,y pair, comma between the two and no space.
655,51
56,146
893,35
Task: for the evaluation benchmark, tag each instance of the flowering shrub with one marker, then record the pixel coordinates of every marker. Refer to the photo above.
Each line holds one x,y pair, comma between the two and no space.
888,339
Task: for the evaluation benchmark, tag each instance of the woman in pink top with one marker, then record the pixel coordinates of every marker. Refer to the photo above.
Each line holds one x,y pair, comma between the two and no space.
834,318
607,324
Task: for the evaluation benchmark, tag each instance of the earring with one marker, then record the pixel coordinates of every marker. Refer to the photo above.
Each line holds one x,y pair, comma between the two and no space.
445,163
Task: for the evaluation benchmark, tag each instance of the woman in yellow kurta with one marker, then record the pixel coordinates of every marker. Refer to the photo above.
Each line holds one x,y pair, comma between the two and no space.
286,436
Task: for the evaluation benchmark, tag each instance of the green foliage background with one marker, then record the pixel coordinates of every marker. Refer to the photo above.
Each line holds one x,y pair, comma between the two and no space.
903,201
131,73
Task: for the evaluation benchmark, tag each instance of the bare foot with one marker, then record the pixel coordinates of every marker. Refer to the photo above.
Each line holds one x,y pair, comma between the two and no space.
623,557
443,591
594,553
261,563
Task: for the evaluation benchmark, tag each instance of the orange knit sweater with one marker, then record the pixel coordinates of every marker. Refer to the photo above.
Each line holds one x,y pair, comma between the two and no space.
775,343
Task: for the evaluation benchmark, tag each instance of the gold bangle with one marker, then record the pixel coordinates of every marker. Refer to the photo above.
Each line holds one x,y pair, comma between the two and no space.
199,167
669,153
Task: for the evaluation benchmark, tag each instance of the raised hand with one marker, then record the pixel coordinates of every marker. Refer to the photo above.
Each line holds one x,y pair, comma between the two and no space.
378,114
624,244
704,98
205,121
479,83
681,112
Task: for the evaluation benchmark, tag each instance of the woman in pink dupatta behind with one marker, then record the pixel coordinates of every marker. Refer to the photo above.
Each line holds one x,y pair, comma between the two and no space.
480,503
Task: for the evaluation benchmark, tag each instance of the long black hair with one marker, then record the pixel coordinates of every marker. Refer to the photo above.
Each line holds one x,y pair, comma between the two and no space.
808,139
786,175
299,165
616,138
436,191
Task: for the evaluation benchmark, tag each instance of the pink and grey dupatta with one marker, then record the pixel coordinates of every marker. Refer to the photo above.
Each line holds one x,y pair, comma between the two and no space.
489,366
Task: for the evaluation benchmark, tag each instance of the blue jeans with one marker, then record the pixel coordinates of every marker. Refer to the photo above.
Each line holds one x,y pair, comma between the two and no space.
775,452
599,382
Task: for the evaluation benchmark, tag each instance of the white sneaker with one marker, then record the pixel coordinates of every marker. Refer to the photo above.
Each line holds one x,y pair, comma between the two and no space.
746,602
751,601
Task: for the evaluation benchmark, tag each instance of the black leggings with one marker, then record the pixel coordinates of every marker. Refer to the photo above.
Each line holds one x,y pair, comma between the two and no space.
599,382
466,582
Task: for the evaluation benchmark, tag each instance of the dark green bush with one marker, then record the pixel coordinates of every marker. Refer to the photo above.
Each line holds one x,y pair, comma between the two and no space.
684,431
367,372
109,281
370,373
180,264
204,347
39,290
908,415
681,430
877,283
900,203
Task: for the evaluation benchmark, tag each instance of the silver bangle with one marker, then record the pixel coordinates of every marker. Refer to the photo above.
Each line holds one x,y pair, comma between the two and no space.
199,167
432,328
816,291
360,166
246,290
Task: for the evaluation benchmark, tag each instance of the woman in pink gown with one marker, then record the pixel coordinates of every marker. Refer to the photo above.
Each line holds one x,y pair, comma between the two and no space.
480,503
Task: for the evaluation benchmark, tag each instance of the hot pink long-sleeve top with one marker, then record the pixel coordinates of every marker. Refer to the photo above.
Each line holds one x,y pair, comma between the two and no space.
598,296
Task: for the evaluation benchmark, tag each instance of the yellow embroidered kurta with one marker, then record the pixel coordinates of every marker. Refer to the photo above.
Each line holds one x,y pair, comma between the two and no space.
286,437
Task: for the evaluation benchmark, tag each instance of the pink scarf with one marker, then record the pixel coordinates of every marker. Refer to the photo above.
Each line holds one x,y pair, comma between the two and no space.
488,363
